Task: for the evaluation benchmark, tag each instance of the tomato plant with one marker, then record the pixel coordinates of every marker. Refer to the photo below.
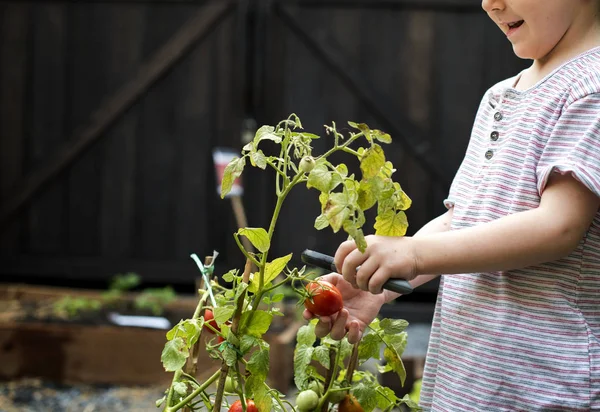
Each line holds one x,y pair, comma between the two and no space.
237,406
323,299
241,313
350,404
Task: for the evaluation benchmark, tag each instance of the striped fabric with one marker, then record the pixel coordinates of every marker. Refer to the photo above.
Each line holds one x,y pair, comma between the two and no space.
523,340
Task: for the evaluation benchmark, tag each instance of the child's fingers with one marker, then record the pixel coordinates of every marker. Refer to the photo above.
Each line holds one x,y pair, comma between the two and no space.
365,273
342,251
354,332
338,330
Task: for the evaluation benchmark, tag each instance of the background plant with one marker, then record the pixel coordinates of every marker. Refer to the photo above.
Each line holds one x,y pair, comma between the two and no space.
244,311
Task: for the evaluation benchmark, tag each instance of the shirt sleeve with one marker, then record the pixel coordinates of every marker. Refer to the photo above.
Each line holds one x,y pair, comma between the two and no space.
574,145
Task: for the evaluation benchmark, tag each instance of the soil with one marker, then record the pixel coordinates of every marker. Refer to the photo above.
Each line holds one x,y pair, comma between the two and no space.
32,395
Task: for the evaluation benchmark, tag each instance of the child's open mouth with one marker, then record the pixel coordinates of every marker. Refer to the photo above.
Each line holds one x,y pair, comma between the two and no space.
512,27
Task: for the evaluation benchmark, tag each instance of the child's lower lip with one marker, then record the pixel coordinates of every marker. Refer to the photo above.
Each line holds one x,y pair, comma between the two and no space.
512,30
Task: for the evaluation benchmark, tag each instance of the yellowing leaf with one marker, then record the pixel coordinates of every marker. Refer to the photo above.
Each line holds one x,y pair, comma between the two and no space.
257,236
258,159
321,222
337,210
372,162
390,223
232,171
272,270
381,136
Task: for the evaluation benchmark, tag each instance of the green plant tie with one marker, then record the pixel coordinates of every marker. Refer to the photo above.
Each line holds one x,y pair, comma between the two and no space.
207,272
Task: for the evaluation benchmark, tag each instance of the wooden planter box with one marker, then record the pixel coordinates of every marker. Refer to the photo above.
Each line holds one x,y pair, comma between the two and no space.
103,354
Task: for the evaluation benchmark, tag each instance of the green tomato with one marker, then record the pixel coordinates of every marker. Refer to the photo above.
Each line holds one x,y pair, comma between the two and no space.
230,385
307,164
337,396
316,386
307,400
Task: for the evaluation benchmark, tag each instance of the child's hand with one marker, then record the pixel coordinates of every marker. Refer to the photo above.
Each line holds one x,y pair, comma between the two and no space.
360,308
385,258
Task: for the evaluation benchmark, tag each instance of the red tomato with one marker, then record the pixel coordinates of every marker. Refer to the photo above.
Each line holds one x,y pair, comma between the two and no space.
324,298
237,406
350,404
209,318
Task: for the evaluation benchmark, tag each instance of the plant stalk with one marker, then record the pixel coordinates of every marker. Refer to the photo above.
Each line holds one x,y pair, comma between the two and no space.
224,371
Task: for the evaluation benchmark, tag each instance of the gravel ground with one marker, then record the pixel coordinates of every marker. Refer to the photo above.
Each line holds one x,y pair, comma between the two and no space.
36,396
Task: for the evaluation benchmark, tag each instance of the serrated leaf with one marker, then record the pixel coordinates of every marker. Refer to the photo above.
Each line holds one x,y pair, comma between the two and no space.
266,132
321,222
223,313
369,347
320,178
230,355
302,358
385,398
232,171
278,297
403,202
188,330
255,323
321,355
372,162
258,364
369,192
395,345
337,210
356,233
306,335
393,326
258,159
257,236
364,392
247,342
174,355
256,389
391,223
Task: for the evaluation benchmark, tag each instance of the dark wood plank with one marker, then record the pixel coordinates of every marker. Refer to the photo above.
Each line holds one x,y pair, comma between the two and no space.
87,87
46,125
124,31
13,77
193,30
192,186
157,149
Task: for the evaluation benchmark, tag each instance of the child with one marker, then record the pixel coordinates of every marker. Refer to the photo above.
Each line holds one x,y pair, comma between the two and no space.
517,319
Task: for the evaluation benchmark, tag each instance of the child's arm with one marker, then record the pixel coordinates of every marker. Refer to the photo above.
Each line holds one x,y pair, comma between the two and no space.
437,225
549,232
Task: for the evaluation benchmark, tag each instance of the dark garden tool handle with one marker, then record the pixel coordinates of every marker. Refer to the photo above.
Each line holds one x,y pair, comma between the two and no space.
310,257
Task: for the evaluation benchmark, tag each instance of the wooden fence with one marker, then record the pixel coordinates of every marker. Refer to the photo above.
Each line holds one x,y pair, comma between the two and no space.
110,110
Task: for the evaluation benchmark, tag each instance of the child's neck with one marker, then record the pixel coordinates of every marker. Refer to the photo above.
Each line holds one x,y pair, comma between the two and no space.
543,67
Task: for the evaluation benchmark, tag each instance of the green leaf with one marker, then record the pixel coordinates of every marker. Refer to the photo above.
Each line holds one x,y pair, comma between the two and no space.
393,326
278,297
272,270
395,345
223,313
321,355
174,355
321,222
247,342
257,236
364,392
306,335
258,364
369,192
232,171
319,178
369,347
391,223
381,136
403,202
255,386
230,355
188,330
181,388
302,358
255,323
258,159
372,162
337,210
385,398
230,276
266,132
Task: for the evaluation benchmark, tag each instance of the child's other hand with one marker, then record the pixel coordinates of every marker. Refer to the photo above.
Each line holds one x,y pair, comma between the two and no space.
360,308
385,257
